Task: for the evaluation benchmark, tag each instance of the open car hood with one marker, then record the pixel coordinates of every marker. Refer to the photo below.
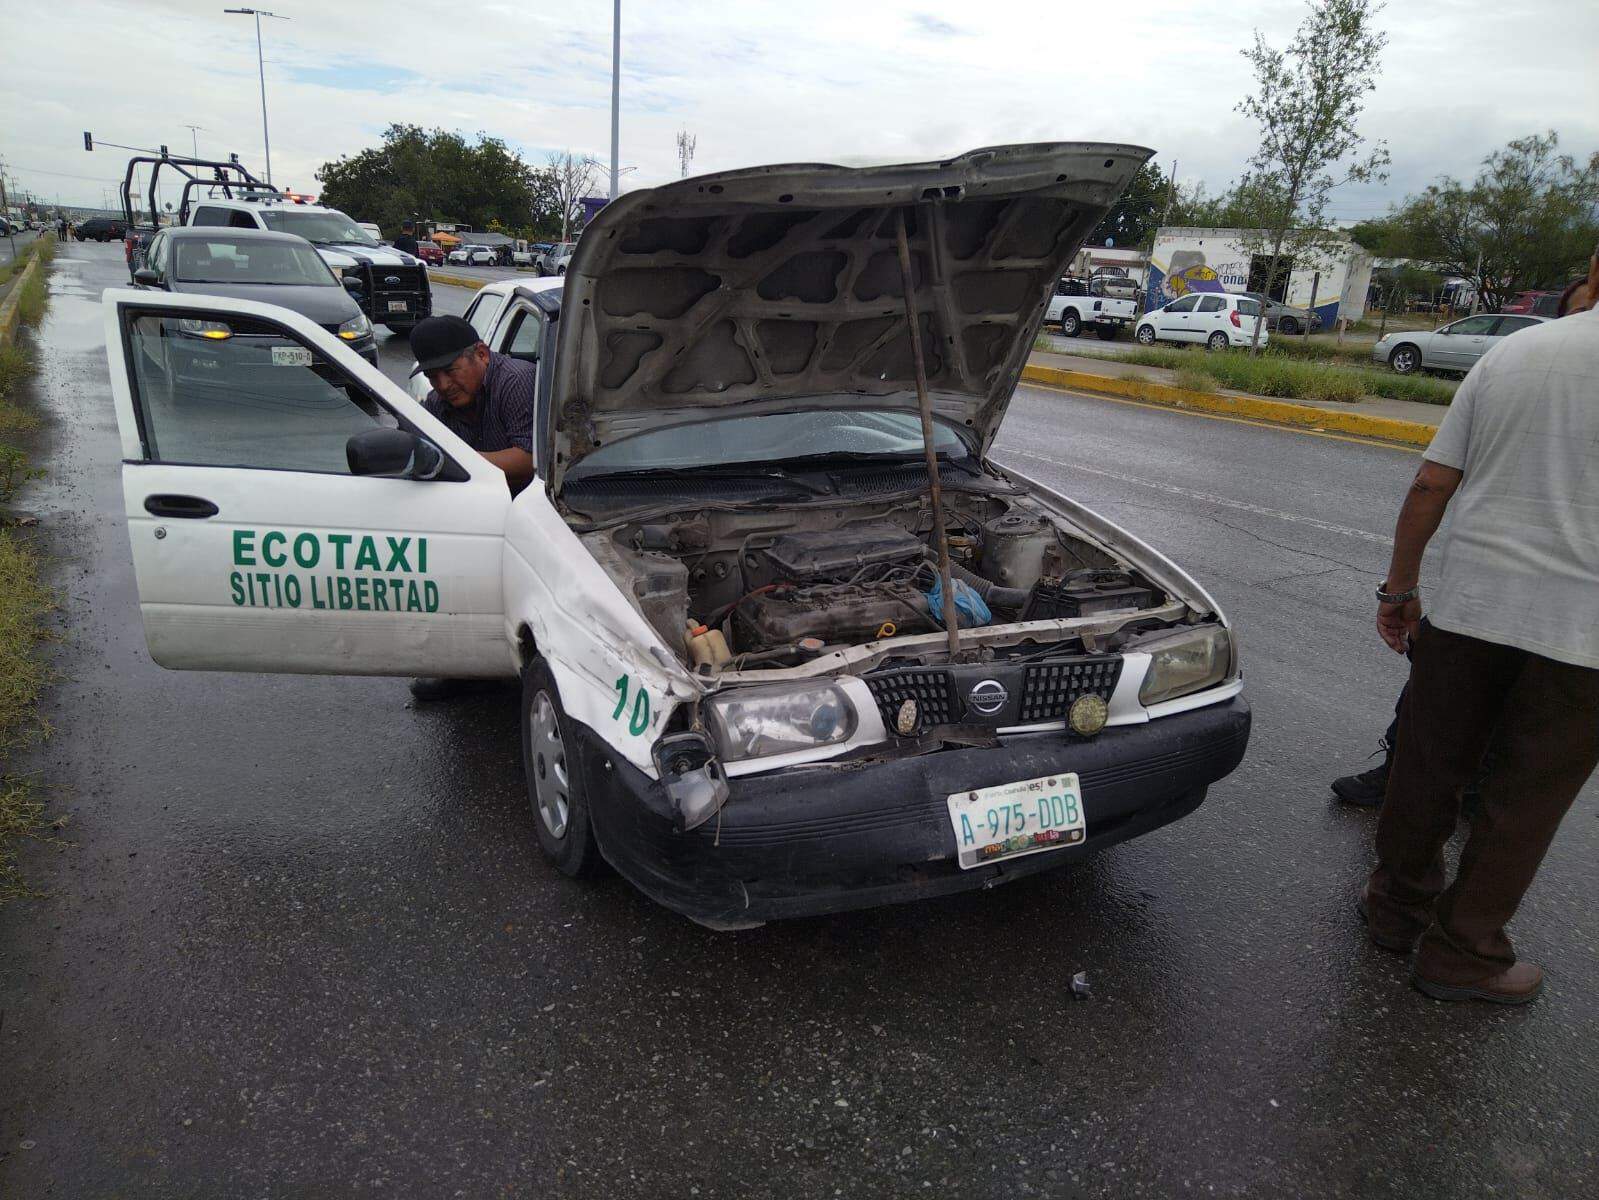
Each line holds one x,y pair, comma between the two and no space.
778,289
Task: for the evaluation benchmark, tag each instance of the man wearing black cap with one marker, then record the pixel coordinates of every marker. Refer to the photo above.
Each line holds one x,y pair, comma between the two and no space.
407,239
484,398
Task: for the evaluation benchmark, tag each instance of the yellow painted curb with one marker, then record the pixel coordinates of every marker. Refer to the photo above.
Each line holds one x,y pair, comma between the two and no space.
12,305
1280,412
461,281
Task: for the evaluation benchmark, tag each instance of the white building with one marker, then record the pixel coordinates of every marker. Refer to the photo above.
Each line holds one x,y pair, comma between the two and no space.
1224,260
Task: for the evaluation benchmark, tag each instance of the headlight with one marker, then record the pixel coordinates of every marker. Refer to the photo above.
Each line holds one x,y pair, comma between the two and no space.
356,328
1185,662
217,331
757,722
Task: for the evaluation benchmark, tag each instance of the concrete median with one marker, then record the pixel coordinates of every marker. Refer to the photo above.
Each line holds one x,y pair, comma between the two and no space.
1259,408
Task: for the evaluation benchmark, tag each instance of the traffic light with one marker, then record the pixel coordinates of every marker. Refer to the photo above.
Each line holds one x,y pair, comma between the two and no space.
88,140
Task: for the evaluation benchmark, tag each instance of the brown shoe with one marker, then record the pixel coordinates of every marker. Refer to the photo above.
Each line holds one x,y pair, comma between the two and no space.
1519,983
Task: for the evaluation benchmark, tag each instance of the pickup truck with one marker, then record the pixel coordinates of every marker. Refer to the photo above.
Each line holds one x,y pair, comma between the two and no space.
711,459
1076,304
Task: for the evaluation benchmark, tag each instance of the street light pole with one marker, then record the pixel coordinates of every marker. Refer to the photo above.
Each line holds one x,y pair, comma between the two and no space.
260,63
616,91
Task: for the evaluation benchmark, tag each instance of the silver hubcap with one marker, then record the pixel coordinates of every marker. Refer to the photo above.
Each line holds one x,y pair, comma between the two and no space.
1404,360
550,789
1146,335
1219,342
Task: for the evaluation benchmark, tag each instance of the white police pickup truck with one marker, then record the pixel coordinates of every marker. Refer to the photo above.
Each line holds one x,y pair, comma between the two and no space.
719,592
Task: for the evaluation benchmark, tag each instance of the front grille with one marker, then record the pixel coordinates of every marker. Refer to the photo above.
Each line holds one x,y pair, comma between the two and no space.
410,278
1049,689
933,690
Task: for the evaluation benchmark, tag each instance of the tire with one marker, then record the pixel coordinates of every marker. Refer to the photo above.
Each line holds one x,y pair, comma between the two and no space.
1145,335
1070,323
560,271
1108,332
1217,341
555,789
1406,359
1287,325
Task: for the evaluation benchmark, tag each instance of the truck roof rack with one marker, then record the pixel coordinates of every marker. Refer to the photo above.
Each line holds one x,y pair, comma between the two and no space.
230,177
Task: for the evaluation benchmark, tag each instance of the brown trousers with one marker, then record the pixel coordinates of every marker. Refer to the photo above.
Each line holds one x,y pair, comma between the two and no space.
1542,718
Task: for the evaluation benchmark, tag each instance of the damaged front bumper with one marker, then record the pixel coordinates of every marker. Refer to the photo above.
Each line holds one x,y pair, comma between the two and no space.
827,838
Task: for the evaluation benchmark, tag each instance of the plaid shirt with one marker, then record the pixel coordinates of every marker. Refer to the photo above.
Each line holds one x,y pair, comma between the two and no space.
502,415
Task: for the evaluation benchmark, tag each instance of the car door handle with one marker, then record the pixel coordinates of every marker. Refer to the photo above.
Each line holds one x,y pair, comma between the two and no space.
186,507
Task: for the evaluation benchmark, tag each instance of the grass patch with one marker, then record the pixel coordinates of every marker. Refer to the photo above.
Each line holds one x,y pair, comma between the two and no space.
23,601
44,247
1284,377
1195,380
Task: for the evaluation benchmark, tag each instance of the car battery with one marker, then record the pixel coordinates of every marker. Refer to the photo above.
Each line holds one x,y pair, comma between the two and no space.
1084,593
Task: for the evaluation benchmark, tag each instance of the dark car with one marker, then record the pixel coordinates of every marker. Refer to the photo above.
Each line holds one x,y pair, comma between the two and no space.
102,229
255,264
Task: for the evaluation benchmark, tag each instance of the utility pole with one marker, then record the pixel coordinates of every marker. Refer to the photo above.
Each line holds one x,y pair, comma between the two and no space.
260,64
685,153
616,93
5,211
1476,287
1171,192
194,136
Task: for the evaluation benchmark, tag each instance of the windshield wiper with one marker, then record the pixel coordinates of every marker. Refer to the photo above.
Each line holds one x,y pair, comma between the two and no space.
710,471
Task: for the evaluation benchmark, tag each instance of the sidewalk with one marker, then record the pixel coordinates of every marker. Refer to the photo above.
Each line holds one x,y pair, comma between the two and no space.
1405,421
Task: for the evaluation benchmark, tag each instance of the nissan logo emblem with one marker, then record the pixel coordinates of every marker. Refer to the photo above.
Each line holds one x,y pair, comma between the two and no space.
392,280
988,697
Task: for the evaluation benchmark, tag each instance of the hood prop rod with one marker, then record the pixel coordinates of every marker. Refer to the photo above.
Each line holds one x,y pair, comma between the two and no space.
935,488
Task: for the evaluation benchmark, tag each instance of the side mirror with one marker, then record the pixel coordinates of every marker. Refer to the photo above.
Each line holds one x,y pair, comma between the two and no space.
147,277
393,452
352,284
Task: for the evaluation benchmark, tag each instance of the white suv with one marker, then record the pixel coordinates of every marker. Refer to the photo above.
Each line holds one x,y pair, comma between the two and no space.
1216,319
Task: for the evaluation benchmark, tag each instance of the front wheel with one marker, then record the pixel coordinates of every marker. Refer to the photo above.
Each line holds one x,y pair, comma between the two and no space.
1145,335
1288,325
1216,341
555,788
560,270
1405,359
1070,323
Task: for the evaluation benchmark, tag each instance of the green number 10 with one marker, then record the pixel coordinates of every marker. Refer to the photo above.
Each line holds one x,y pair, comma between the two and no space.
640,719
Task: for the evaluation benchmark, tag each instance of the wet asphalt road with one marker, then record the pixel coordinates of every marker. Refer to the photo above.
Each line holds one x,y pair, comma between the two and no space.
19,240
303,943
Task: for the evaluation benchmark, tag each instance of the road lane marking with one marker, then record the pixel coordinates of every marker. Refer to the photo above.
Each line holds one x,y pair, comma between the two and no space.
1173,489
1189,412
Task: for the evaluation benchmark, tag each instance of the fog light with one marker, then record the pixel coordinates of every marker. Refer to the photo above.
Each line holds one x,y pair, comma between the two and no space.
1088,715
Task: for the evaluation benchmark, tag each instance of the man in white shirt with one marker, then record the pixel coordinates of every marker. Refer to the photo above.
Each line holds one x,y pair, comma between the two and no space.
1507,654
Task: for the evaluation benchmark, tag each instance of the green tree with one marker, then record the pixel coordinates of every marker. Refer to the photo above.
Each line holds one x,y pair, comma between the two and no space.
436,174
1132,220
1528,220
1307,101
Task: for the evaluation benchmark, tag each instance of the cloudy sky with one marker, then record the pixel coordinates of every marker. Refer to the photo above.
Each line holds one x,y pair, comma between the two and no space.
761,81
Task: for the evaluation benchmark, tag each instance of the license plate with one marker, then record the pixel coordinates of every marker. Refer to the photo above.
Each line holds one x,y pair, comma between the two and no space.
290,356
1013,819
397,306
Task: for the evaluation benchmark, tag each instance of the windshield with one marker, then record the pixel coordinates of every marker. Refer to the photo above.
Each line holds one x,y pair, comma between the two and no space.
772,438
218,260
327,226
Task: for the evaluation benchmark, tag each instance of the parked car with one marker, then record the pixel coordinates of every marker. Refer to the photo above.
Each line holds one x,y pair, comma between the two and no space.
6,228
102,229
372,231
431,253
1453,347
1285,318
1077,305
1538,304
472,256
702,466
556,257
251,264
1216,319
529,257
